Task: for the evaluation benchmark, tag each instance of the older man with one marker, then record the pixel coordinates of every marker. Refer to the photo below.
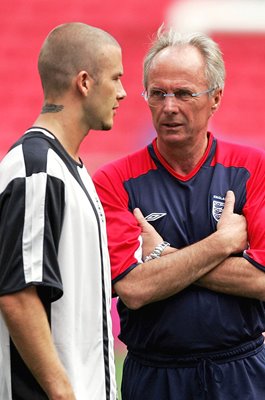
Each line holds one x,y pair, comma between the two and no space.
192,320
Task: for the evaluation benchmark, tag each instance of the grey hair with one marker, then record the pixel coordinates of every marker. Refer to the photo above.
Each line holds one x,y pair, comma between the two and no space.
214,63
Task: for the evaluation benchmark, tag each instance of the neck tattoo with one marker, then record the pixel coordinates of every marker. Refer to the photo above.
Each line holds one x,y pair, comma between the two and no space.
51,108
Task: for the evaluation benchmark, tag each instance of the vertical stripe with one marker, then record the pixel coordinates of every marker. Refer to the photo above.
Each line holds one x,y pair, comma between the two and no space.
12,167
5,373
104,303
104,314
33,233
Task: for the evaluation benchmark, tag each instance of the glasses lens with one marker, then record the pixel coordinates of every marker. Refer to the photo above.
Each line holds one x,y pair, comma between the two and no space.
155,97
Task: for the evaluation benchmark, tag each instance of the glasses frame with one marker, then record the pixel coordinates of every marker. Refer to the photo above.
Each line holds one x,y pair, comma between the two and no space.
145,95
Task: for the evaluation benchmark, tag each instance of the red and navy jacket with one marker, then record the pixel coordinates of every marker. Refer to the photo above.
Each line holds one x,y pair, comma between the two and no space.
184,210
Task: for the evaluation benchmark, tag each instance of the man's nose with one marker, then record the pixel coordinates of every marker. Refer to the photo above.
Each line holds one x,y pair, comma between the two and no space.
121,92
170,102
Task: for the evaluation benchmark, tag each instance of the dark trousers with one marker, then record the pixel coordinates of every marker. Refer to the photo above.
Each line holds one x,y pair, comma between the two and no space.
239,376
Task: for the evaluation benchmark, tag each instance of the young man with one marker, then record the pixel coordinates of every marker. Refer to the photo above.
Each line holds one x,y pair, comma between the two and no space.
192,320
55,289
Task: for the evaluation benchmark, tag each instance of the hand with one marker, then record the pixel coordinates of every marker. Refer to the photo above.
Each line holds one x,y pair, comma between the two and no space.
62,391
233,226
68,395
150,237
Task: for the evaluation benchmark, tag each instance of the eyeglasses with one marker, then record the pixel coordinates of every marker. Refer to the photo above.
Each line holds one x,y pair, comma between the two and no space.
156,97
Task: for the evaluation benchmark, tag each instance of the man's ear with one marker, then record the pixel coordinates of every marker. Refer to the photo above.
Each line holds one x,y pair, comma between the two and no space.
83,82
216,100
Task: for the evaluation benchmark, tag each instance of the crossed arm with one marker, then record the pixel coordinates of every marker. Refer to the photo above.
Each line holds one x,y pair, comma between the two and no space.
208,263
235,276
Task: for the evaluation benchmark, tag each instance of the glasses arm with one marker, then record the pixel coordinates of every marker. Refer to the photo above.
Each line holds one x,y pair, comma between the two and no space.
204,92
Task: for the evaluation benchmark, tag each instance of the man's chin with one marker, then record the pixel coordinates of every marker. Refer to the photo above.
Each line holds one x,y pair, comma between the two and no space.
106,126
103,125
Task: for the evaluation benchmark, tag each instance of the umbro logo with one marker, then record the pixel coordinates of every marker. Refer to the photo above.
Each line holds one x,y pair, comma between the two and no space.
154,216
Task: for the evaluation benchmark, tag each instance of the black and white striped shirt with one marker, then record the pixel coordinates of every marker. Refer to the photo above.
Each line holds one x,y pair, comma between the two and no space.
53,235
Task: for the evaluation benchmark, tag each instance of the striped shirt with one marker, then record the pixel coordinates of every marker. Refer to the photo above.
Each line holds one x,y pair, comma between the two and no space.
53,236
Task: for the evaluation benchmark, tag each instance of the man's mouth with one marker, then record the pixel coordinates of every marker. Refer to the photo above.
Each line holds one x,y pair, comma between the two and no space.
171,124
115,110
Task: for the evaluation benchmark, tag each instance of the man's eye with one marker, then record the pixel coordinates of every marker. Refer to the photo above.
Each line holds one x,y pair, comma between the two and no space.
183,94
156,94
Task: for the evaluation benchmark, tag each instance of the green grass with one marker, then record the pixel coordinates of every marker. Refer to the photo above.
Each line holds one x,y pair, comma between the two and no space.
119,358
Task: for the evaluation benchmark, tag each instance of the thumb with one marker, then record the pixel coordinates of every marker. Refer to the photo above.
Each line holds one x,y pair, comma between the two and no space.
140,218
229,203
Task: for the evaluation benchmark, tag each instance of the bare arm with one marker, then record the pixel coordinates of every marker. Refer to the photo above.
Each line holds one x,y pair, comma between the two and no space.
166,276
236,276
28,326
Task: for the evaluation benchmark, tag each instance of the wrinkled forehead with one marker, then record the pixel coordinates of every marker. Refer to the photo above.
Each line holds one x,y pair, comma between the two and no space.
187,56
178,63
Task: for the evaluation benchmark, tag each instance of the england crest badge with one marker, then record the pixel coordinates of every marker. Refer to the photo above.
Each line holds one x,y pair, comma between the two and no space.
218,203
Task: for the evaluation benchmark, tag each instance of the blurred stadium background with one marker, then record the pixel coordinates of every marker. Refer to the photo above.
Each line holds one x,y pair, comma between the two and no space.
237,25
